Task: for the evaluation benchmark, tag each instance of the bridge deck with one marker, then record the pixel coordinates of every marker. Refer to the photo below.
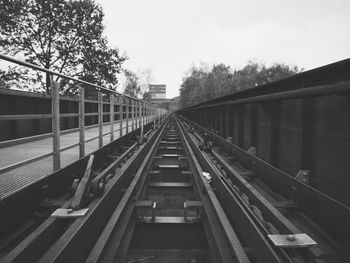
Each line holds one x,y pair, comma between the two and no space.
13,180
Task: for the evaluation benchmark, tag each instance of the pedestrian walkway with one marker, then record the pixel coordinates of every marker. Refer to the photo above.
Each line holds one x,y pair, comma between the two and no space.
13,180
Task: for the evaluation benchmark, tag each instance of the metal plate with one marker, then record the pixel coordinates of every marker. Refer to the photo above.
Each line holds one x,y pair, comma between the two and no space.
69,213
169,220
168,166
292,240
170,184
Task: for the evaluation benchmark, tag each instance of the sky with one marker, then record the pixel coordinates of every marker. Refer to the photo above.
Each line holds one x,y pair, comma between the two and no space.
169,36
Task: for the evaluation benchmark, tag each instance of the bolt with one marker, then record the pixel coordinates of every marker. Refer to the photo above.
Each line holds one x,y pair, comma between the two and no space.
290,237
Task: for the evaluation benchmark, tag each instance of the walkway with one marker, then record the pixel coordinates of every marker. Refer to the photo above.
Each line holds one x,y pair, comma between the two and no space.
13,180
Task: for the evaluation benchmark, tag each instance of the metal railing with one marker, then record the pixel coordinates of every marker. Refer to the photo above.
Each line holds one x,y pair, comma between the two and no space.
137,113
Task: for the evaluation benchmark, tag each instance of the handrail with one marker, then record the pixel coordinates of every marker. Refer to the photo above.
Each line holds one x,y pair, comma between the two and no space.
33,66
137,113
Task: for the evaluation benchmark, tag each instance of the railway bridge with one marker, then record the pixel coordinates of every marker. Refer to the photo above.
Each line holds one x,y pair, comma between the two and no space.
260,175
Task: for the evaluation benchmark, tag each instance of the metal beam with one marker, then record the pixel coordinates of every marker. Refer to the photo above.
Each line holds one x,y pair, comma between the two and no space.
127,104
55,105
100,119
111,116
81,122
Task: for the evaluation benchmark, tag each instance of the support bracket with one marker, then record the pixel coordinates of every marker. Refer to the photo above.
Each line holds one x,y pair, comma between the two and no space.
252,150
84,186
303,176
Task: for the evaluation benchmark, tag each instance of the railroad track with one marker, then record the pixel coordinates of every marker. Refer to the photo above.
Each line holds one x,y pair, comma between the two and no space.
275,202
167,200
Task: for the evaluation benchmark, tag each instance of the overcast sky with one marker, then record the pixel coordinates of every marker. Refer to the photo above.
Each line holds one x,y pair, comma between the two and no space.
169,36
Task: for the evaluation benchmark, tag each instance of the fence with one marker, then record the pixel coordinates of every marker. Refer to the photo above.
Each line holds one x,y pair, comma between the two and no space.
134,112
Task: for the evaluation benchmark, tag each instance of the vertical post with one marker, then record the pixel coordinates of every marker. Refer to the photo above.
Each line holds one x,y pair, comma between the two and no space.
158,109
140,113
111,115
81,122
100,119
144,116
121,117
153,116
127,115
136,103
137,117
136,113
132,114
147,114
55,105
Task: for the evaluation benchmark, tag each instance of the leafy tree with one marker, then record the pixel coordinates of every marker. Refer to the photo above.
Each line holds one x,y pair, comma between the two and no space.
255,74
203,83
132,86
147,96
192,87
136,84
145,78
64,36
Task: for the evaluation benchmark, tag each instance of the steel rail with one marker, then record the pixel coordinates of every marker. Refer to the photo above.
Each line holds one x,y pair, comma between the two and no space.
99,235
258,208
215,212
17,205
106,213
107,246
238,217
100,251
121,158
269,212
47,237
92,224
308,199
